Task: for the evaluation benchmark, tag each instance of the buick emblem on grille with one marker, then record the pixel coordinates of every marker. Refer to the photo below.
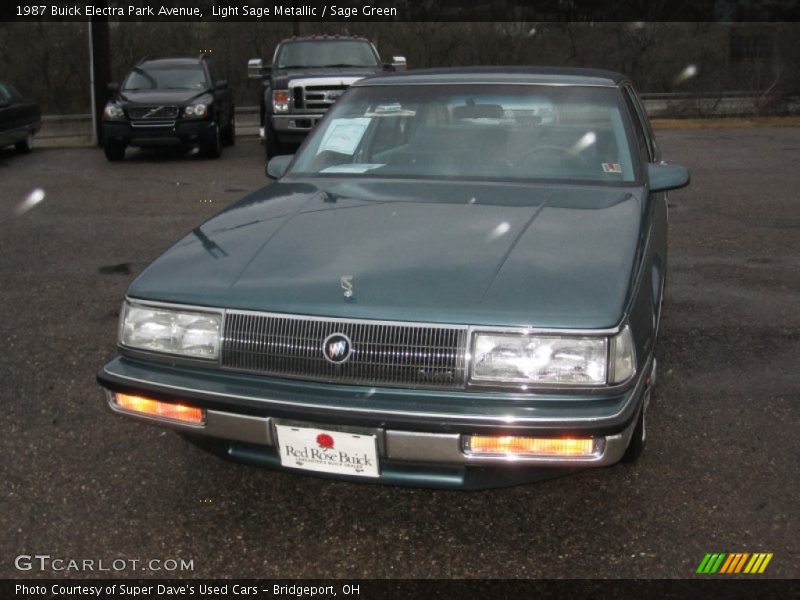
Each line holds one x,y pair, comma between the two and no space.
337,348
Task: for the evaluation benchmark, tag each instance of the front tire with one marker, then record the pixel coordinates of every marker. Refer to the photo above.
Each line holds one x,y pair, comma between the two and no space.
115,151
25,145
271,144
212,147
637,444
229,137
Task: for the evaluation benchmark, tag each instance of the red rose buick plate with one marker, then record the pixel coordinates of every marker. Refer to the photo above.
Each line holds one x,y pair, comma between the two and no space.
327,451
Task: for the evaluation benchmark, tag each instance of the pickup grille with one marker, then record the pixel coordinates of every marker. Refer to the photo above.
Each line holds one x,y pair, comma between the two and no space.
317,98
393,354
145,113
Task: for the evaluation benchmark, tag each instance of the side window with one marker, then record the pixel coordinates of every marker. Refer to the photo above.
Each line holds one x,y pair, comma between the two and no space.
638,127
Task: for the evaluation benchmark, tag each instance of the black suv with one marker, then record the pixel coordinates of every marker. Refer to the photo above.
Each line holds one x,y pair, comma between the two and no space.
170,102
306,77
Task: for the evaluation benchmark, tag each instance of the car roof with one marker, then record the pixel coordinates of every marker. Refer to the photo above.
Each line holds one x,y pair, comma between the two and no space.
501,75
326,38
170,62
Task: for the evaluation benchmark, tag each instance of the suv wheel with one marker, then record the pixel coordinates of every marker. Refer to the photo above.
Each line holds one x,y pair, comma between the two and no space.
212,147
229,137
25,145
115,151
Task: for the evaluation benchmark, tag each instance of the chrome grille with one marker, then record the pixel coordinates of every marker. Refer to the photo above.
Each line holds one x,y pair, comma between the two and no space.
316,98
153,112
383,353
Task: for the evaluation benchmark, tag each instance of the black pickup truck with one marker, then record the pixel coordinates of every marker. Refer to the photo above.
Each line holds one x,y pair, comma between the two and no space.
19,119
307,75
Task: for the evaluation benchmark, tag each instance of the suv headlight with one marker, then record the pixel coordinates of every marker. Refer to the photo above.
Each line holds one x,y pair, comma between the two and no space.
551,359
194,334
195,111
113,111
280,100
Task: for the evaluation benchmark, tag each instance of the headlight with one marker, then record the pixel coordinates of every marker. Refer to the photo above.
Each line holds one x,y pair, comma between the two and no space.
280,100
113,111
195,111
539,359
181,332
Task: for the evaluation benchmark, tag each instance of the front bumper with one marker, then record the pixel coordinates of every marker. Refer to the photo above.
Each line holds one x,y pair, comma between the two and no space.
419,432
171,133
294,128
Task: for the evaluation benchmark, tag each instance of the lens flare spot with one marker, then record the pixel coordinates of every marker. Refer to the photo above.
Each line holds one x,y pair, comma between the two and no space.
688,72
587,140
499,231
35,196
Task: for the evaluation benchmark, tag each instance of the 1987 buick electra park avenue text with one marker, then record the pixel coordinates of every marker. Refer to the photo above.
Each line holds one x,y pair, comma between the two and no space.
455,282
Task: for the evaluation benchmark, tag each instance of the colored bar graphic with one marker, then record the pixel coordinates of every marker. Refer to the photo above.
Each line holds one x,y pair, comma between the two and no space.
734,563
727,564
767,558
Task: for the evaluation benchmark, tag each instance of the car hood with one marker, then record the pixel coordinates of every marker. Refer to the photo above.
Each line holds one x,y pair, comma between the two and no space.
150,97
484,254
282,77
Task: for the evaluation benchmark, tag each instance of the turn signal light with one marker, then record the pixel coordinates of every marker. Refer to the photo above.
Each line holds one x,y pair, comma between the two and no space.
280,96
529,446
161,410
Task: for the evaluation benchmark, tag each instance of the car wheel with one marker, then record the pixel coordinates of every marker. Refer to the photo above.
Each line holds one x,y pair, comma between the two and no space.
636,445
115,151
271,144
212,148
25,145
230,132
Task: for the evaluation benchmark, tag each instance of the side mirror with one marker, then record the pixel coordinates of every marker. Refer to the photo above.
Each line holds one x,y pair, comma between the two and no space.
113,87
665,177
222,84
277,166
399,63
256,68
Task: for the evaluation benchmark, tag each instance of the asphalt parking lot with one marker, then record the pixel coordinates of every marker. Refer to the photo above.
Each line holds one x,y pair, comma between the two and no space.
719,475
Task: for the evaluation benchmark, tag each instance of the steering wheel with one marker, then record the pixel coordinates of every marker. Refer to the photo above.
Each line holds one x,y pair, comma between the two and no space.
572,156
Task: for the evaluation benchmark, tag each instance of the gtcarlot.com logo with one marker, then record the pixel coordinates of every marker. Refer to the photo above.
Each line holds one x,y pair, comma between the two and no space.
46,562
732,563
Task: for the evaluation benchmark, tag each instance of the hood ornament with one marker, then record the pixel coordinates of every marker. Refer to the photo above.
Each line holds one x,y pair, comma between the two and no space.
346,282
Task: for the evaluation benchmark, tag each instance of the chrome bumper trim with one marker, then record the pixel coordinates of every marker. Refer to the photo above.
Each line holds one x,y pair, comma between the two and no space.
285,123
405,446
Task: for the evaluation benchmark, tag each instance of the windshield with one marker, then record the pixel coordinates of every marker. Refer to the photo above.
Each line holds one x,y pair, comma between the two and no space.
320,53
173,78
472,131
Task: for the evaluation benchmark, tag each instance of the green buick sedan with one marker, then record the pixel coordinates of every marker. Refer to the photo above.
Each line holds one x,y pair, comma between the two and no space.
455,282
